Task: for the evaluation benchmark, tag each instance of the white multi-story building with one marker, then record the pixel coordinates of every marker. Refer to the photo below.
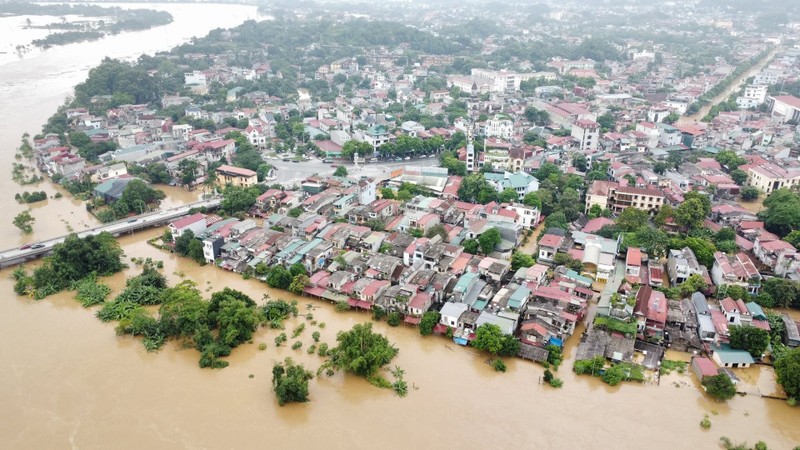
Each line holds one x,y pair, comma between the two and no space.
500,126
500,80
587,132
786,107
754,95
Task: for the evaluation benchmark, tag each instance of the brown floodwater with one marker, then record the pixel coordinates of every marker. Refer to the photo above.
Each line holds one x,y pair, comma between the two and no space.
67,381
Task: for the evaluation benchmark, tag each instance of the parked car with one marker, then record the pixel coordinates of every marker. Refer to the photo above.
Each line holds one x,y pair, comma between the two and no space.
37,246
25,247
373,160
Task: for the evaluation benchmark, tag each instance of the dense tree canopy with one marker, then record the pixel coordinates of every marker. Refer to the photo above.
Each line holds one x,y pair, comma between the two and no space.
290,382
361,351
754,340
720,387
782,213
787,367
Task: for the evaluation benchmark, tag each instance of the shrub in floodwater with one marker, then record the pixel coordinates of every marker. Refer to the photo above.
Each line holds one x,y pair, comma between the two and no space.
499,365
297,345
705,423
262,346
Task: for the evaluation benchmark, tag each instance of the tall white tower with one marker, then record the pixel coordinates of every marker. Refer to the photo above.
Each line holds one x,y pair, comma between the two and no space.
470,151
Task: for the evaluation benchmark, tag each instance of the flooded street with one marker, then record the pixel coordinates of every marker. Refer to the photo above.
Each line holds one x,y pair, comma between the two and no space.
733,87
67,381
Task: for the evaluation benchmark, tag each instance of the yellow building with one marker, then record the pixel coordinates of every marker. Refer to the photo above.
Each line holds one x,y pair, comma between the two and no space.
235,176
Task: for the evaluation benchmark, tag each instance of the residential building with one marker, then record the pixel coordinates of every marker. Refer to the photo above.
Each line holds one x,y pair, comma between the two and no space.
776,254
549,245
235,176
785,107
608,194
703,367
736,270
522,182
768,177
196,223
725,356
500,126
735,311
587,133
681,264
651,312
633,264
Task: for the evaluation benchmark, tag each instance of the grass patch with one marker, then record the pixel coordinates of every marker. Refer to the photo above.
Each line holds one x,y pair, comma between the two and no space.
612,324
667,366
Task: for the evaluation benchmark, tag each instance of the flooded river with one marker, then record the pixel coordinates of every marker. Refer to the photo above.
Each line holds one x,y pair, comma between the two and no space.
67,381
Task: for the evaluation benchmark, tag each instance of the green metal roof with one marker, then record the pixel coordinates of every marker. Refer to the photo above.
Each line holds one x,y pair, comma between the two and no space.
518,297
465,281
480,304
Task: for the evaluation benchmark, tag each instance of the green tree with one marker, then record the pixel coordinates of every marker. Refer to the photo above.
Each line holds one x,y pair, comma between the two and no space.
439,230
739,177
631,219
519,259
488,240
546,170
238,199
470,246
341,171
475,189
428,321
387,193
793,238
580,162
720,387
783,292
749,193
703,250
787,367
508,195
361,351
183,311
290,382
556,220
188,171
754,340
490,337
782,213
664,213
533,200
299,283
690,214
24,221
607,121
279,278
236,316
297,269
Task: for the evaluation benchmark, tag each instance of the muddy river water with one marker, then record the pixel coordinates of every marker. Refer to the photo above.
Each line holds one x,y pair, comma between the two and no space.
67,381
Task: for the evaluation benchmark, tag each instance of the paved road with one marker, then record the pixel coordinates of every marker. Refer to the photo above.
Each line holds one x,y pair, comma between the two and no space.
17,255
288,173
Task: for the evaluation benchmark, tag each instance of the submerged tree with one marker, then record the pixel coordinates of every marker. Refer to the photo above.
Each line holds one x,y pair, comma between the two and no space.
290,382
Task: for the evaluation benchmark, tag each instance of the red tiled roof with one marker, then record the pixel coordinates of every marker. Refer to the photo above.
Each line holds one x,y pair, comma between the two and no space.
634,257
551,240
188,220
706,366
